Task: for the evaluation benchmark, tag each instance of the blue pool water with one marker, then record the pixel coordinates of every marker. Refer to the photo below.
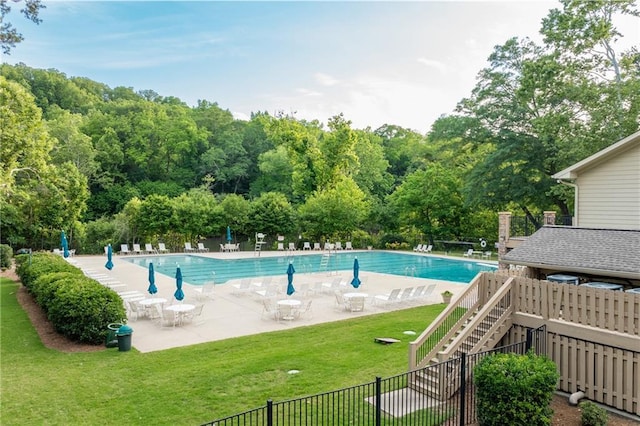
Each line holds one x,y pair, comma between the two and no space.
198,269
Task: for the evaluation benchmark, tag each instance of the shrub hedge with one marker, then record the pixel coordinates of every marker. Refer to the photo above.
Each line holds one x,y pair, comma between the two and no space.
6,253
77,306
515,389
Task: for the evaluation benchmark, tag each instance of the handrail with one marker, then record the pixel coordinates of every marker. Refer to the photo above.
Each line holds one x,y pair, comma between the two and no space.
440,332
500,302
446,324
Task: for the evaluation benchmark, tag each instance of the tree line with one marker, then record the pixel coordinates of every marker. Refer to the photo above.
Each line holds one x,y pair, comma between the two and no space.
115,165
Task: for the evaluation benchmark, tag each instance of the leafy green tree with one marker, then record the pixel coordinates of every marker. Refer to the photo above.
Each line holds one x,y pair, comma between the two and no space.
272,214
334,212
71,144
372,174
276,171
156,216
404,149
338,153
194,213
9,36
234,212
431,200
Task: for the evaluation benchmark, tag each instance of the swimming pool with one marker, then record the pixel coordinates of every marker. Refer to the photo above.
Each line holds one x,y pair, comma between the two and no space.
198,269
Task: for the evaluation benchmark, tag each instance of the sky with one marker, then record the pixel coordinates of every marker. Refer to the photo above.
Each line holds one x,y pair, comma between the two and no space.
400,63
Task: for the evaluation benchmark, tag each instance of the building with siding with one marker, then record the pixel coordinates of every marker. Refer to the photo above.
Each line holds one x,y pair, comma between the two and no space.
604,243
607,186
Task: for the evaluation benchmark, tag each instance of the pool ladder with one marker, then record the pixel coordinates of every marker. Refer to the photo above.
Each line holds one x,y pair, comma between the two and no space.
410,270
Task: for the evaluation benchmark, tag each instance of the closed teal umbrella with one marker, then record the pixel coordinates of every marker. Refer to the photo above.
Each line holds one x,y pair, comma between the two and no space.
228,234
152,280
355,282
290,272
179,294
64,244
109,264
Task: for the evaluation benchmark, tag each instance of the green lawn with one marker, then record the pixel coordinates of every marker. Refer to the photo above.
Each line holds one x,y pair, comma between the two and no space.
196,384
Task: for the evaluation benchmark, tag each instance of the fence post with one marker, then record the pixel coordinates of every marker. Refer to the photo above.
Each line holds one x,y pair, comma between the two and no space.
269,412
527,345
463,388
378,413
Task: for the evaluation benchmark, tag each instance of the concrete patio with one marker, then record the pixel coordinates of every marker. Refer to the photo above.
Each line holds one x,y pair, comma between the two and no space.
227,315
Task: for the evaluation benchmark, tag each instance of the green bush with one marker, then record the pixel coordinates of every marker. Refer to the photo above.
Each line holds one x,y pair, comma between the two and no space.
592,414
6,253
30,267
82,309
45,286
78,307
515,389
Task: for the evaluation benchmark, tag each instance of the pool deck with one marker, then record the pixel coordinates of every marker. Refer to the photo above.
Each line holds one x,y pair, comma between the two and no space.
226,315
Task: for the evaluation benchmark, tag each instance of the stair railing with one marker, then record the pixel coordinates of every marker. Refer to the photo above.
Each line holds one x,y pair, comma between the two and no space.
444,328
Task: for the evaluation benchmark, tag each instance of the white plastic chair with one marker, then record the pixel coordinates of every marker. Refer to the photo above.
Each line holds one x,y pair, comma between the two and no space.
347,246
306,245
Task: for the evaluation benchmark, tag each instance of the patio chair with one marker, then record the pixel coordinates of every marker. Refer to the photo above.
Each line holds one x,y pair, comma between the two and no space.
418,248
405,294
124,249
166,318
280,246
292,247
162,248
427,292
356,304
205,291
388,298
417,292
427,249
148,249
202,248
306,311
338,245
188,248
486,255
347,246
269,309
469,253
341,302
306,245
316,246
190,316
136,249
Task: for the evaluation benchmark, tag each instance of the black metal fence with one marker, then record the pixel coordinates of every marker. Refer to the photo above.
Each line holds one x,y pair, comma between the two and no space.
523,226
413,398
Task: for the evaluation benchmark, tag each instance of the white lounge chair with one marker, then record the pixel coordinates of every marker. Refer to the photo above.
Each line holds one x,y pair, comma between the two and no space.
280,246
148,249
347,246
338,245
202,248
124,249
427,249
188,248
162,248
292,246
316,246
418,248
469,253
306,245
388,298
205,291
136,249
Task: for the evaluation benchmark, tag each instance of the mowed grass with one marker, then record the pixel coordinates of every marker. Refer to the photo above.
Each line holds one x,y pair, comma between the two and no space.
195,384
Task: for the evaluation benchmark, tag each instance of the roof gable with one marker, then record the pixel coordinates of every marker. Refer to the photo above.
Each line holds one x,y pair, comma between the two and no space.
599,157
611,252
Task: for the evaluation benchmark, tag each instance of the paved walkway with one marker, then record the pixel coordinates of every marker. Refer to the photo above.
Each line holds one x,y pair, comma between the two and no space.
227,314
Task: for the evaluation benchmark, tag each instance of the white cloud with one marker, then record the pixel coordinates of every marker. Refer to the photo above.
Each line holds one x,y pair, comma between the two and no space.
433,64
325,79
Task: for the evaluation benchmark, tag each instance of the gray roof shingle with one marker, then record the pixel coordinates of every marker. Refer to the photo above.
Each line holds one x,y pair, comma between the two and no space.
610,252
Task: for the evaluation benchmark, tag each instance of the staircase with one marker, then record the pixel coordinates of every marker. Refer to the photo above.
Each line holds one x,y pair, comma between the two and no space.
468,325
